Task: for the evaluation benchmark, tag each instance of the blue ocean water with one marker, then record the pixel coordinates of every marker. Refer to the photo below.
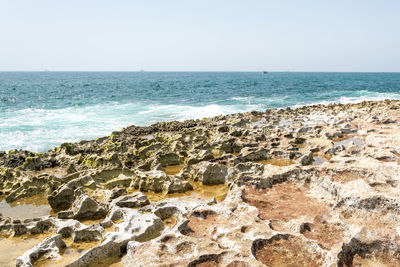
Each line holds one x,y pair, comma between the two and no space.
40,110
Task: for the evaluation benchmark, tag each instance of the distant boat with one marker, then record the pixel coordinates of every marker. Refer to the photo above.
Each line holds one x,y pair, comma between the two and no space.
265,72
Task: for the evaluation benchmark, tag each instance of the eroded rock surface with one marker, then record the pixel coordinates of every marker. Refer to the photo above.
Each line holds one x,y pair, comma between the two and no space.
313,186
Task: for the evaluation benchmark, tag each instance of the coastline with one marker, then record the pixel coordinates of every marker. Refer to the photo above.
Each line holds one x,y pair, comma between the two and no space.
240,188
39,112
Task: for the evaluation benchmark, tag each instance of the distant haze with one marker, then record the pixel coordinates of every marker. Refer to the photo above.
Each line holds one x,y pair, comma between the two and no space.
217,35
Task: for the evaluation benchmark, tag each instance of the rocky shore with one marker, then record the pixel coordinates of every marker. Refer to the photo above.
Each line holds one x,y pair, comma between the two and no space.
312,186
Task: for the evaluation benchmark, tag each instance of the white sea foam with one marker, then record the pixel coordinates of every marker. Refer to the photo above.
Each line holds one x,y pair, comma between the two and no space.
241,98
369,96
42,129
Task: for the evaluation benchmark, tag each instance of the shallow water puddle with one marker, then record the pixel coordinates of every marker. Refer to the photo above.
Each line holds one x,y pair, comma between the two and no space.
206,192
112,262
26,208
277,162
170,221
12,248
112,228
210,191
172,170
92,222
217,155
327,157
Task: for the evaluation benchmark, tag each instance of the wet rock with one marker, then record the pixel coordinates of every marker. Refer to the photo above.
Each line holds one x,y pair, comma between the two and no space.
170,158
137,200
86,208
332,135
289,135
88,234
203,155
388,121
50,247
69,214
299,140
337,149
155,181
136,227
166,211
117,192
243,172
70,169
230,145
15,158
210,173
347,129
62,199
119,181
179,186
67,227
236,132
307,159
223,129
253,154
304,129
32,163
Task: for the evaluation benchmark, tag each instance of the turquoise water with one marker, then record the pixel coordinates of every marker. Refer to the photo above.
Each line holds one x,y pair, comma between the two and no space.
40,110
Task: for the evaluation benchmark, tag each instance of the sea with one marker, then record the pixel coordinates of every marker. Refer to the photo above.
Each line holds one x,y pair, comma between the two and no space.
41,110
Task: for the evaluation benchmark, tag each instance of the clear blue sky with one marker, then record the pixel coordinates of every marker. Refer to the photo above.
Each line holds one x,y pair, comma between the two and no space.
206,35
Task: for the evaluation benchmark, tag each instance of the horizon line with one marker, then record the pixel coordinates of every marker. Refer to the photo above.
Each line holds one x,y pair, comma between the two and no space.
248,71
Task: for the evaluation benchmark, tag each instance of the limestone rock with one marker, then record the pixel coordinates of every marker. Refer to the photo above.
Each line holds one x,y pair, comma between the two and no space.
156,181
210,173
62,199
170,158
117,192
137,200
70,169
307,159
253,154
137,227
88,234
49,247
86,208
248,206
179,186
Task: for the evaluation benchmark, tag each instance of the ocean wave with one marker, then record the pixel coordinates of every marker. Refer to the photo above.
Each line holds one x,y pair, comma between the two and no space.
41,129
365,96
241,98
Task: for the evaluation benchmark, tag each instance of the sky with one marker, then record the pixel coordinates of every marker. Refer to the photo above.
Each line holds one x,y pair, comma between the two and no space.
206,35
